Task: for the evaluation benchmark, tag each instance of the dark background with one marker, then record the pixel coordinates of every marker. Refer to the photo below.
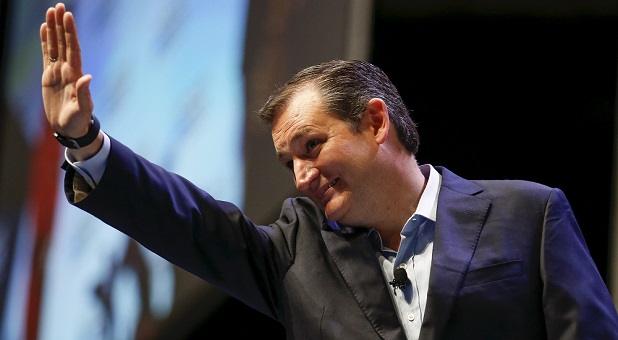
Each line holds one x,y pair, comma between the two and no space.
514,92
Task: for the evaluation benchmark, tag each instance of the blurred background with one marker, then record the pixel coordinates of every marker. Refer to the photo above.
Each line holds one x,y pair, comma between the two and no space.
503,90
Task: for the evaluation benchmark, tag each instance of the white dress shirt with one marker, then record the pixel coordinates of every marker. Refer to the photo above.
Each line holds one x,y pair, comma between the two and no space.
415,255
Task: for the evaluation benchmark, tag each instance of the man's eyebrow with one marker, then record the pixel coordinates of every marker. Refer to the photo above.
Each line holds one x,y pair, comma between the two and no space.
295,137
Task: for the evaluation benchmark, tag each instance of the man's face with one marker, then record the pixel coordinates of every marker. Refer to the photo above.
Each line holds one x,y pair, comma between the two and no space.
332,164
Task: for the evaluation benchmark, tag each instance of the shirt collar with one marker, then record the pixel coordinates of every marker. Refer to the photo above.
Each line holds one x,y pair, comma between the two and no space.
428,204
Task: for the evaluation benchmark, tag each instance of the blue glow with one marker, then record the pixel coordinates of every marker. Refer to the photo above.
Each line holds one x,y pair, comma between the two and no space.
168,82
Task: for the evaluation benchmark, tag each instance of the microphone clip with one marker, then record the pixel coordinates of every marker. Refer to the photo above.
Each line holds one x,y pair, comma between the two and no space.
401,279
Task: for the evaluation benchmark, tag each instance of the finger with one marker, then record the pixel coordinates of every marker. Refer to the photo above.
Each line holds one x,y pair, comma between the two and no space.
73,51
52,41
60,10
43,33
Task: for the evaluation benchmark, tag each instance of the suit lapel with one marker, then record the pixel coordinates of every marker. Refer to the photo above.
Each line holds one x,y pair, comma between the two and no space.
357,262
459,221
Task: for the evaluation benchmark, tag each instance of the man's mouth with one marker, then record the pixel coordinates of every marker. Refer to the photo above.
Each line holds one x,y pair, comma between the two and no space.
323,196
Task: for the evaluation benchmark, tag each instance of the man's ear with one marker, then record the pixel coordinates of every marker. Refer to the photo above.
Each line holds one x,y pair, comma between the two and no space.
377,114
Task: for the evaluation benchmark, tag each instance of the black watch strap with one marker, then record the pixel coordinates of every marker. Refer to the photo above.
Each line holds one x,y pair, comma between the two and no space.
76,143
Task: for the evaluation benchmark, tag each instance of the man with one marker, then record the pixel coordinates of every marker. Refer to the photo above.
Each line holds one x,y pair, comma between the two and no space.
381,248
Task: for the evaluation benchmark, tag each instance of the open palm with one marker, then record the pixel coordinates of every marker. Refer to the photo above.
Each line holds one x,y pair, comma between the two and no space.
66,95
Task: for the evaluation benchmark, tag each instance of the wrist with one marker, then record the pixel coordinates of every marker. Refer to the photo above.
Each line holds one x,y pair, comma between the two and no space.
88,151
83,141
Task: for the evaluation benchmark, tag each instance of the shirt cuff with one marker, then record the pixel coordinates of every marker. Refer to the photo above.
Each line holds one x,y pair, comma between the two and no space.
93,168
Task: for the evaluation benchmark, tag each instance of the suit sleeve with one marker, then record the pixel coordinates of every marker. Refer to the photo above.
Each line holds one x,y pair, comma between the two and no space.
175,219
576,301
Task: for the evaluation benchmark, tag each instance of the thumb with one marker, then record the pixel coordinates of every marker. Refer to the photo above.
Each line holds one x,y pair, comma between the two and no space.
84,99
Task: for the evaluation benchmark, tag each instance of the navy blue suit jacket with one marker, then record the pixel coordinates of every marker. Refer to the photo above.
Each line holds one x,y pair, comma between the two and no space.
509,260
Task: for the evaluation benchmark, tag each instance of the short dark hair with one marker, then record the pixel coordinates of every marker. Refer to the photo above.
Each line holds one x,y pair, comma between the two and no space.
346,86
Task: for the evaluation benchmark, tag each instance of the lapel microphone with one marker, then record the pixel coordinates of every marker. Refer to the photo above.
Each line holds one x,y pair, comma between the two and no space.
401,279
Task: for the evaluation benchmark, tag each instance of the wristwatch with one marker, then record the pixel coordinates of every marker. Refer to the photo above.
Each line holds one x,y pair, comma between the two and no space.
76,143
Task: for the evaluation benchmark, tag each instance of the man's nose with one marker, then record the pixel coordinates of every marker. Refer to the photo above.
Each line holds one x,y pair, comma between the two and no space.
304,174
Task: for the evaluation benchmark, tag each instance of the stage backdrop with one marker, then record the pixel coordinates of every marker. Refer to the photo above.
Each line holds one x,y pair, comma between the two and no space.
179,82
167,81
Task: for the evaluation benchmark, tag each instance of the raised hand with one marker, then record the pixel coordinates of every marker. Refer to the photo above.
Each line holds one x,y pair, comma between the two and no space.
66,94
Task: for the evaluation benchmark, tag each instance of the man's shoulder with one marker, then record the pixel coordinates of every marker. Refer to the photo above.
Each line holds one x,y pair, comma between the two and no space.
498,187
516,185
301,210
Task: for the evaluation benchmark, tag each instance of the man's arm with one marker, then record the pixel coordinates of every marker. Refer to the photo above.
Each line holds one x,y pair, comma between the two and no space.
576,301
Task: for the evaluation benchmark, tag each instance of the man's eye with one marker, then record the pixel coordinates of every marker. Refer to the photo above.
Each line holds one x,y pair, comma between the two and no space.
290,165
312,144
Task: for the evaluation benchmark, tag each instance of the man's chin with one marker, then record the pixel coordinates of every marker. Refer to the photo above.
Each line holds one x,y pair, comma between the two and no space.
336,214
332,215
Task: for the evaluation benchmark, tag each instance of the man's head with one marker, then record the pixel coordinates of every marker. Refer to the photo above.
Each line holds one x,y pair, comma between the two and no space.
332,126
346,87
